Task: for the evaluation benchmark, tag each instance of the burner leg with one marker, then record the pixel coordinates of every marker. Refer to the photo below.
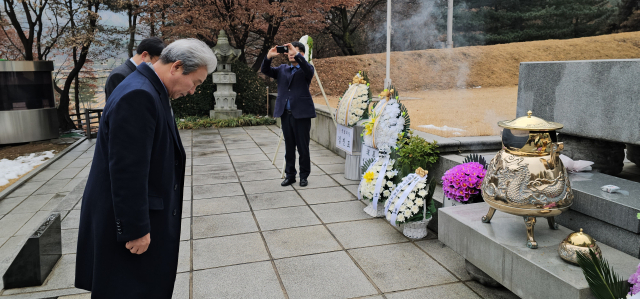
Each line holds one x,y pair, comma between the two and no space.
530,222
552,222
487,218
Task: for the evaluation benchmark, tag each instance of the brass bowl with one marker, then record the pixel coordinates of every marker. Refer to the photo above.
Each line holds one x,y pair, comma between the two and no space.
577,242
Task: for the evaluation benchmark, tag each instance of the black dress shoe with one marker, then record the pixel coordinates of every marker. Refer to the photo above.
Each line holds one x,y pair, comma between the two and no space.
287,182
303,182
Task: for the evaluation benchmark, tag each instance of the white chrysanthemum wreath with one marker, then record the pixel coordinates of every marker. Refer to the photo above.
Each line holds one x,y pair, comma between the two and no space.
353,105
388,120
377,183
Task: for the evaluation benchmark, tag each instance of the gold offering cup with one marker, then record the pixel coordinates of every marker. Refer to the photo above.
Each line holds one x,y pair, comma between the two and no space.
527,177
575,242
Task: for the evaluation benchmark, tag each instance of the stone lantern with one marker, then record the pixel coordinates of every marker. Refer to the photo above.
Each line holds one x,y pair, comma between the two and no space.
224,78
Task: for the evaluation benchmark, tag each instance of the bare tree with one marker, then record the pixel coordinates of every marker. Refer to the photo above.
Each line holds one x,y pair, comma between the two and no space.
84,32
37,24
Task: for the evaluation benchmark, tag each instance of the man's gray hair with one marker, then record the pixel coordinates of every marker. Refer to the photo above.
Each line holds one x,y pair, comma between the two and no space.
193,54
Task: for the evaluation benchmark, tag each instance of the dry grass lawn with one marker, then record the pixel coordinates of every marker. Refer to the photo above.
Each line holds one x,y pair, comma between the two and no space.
445,79
476,111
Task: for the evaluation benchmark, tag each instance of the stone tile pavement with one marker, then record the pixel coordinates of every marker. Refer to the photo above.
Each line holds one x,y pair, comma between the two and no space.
245,236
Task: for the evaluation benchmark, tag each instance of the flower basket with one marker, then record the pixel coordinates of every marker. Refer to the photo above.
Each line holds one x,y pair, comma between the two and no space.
411,204
416,230
377,183
376,212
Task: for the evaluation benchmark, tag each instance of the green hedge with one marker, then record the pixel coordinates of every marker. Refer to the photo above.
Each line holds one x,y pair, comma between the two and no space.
194,122
250,88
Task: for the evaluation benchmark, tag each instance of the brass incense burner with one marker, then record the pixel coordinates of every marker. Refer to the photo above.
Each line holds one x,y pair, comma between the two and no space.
527,177
577,242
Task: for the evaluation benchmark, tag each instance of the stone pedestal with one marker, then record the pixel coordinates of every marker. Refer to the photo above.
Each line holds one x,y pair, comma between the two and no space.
225,114
608,157
352,167
633,153
37,257
497,248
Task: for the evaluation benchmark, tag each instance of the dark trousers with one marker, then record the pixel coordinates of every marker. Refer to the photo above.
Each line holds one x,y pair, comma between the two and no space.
296,134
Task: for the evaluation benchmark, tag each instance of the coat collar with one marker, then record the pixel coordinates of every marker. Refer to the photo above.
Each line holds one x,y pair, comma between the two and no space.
151,75
130,64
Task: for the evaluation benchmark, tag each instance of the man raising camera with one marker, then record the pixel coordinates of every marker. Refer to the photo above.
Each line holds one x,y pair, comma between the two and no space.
294,106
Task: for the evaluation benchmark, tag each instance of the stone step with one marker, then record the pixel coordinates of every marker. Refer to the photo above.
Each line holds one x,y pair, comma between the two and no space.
614,208
499,249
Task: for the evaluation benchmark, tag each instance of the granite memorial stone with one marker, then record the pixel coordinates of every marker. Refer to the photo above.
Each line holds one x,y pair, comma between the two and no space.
37,257
595,99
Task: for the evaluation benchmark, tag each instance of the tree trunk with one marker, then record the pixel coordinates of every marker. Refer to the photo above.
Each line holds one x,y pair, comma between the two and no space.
76,91
132,30
63,109
64,119
272,30
340,42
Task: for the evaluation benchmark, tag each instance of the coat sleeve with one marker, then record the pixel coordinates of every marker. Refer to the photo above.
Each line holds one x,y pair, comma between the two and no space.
132,124
305,66
113,81
268,70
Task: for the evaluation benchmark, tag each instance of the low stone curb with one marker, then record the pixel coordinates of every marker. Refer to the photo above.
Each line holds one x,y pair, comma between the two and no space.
39,169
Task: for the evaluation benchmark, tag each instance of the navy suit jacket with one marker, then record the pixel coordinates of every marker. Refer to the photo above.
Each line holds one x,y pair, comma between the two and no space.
294,87
117,75
134,188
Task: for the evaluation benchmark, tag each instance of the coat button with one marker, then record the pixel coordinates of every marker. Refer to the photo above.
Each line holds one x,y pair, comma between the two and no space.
289,89
175,212
119,233
175,187
176,163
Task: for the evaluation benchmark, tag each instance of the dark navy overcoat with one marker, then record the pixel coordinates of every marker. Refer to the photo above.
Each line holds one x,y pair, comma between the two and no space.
134,188
294,87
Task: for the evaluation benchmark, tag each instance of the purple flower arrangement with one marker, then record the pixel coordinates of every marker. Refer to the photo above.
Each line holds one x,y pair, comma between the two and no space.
635,281
463,182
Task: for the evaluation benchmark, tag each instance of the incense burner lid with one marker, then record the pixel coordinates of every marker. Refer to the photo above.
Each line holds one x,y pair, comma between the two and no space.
530,123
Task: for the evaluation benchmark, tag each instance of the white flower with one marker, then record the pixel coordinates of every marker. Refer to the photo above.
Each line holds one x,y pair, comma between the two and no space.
422,193
415,209
390,166
388,215
402,208
412,196
400,218
419,202
386,193
390,184
407,213
421,185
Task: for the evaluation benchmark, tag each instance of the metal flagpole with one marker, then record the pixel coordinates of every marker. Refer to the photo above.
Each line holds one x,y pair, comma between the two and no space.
387,79
450,25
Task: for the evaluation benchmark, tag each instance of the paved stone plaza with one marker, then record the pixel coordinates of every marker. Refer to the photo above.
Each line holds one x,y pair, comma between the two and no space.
245,236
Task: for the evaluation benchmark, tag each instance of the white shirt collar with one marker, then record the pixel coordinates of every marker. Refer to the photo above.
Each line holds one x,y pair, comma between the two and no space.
134,63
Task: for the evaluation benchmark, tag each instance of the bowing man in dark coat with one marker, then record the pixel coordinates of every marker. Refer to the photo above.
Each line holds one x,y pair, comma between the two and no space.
130,219
148,50
295,107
